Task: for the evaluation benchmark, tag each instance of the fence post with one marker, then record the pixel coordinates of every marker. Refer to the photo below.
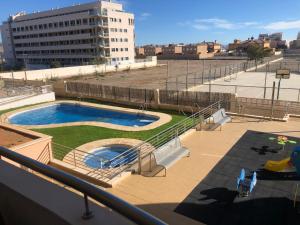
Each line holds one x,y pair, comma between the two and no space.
74,157
266,75
140,161
187,75
129,97
273,96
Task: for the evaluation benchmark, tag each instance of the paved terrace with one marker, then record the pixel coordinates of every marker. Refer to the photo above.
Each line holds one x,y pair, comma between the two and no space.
162,195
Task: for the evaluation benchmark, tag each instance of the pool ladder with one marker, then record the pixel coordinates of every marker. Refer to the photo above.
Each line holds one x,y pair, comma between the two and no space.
142,109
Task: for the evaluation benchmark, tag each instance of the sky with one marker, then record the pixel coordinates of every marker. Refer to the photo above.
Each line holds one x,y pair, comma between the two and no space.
191,21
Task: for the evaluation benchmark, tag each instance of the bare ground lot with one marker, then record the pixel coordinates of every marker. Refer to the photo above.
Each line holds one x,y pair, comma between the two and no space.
156,77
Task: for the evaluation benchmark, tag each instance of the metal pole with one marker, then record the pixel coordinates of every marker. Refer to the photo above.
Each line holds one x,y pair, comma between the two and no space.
167,75
87,214
203,65
273,96
74,157
266,75
187,75
278,89
140,162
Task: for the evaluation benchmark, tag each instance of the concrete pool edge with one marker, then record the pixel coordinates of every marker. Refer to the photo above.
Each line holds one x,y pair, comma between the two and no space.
162,117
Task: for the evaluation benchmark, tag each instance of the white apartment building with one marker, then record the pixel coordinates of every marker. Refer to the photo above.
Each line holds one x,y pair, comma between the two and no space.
73,35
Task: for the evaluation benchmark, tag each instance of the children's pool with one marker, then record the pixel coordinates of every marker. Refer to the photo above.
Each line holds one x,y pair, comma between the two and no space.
69,113
110,157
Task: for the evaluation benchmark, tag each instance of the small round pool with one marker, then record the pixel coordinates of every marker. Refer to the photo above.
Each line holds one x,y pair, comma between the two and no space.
110,157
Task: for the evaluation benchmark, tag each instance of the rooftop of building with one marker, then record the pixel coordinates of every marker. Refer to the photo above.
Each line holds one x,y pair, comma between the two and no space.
21,16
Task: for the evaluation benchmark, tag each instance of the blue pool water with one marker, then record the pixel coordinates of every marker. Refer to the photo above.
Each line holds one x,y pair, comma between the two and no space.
105,157
67,113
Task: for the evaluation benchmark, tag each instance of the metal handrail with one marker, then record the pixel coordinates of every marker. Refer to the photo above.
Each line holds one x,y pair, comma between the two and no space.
151,143
124,208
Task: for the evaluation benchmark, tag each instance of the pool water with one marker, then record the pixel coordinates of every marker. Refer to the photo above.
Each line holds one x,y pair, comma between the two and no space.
68,113
105,157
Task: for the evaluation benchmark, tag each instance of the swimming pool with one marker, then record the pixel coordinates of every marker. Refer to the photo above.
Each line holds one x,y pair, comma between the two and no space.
110,157
69,113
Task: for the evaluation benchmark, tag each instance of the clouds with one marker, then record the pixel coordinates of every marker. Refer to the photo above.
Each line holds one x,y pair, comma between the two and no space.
216,23
144,16
223,24
283,25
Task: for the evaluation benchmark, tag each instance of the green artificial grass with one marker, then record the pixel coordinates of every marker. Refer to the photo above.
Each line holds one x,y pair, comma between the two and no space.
75,136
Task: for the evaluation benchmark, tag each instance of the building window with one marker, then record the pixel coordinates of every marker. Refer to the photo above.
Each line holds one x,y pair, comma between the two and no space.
125,39
120,20
112,29
126,49
121,30
72,23
125,30
84,21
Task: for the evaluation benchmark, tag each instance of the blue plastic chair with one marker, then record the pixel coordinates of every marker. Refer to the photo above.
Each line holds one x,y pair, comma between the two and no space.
253,182
241,178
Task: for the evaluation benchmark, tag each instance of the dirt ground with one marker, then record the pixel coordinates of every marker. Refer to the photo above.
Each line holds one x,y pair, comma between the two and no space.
10,139
156,77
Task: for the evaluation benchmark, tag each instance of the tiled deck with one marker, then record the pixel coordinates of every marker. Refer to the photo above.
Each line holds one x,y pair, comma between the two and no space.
161,195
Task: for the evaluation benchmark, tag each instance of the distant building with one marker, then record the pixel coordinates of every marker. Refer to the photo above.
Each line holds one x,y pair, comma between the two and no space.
295,44
148,50
72,35
213,47
240,47
180,51
172,50
275,40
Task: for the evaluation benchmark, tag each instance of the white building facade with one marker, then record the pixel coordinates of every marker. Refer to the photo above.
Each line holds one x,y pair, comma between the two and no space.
82,34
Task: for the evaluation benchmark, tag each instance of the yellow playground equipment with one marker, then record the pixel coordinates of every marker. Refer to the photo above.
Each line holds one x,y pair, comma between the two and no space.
284,165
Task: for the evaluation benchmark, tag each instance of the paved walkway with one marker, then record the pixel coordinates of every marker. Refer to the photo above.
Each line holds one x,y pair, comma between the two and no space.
233,84
161,195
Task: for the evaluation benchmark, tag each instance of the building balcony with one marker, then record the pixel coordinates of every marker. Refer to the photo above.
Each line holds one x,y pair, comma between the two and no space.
99,24
98,13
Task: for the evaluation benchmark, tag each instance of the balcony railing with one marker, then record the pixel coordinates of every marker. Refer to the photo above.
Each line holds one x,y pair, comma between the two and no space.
122,207
100,24
98,13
